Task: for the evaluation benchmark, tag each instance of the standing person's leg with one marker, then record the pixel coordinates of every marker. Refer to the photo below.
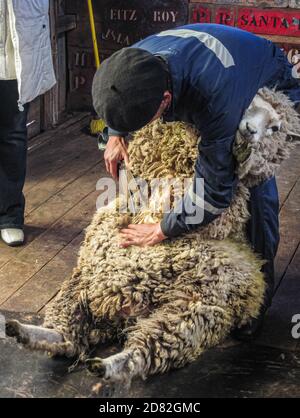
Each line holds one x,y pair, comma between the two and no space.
13,152
263,234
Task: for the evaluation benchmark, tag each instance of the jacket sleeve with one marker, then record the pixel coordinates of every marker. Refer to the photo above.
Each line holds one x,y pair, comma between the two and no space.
216,166
112,132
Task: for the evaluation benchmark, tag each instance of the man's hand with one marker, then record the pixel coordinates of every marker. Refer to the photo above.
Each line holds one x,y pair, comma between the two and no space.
142,235
115,151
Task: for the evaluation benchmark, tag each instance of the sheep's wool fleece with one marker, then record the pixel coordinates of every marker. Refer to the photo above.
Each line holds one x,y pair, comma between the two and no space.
171,301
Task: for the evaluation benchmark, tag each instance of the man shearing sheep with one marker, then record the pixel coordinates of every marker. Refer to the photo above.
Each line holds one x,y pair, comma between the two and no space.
205,75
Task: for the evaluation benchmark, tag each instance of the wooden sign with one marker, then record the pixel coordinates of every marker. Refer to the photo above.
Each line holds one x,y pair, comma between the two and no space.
275,21
252,3
222,15
271,22
225,16
127,22
120,24
201,14
145,13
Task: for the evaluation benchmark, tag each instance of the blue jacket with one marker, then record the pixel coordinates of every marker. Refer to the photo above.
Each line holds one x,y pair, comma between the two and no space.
215,71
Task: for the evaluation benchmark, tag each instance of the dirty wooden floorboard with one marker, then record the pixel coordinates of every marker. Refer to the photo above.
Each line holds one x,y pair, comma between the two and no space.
241,370
63,168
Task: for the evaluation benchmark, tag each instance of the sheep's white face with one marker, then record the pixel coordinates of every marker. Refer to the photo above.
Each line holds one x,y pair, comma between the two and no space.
260,120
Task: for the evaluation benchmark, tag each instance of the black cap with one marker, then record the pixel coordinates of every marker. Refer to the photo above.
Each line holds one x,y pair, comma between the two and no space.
128,89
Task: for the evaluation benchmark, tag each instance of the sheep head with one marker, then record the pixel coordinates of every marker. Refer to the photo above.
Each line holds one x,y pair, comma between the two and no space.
265,136
259,120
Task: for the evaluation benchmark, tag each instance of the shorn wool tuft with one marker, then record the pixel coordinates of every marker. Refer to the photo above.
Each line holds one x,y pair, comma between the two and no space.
170,302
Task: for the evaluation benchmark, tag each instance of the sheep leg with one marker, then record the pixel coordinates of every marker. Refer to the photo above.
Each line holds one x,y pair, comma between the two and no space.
40,338
154,345
122,366
145,349
31,334
168,339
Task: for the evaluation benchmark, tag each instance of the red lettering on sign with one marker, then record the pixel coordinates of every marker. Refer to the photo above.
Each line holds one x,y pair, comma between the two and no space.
271,22
225,16
201,15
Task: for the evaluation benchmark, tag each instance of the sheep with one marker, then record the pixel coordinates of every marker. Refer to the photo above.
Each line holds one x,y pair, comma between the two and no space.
167,303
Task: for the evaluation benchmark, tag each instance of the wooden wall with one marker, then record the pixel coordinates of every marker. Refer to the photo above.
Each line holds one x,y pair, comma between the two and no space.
120,24
117,26
49,109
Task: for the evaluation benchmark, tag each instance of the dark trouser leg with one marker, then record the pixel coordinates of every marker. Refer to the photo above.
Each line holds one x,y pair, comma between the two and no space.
13,152
263,234
263,229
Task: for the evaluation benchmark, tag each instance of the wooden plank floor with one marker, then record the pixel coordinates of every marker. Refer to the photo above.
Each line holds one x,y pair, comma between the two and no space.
240,371
63,168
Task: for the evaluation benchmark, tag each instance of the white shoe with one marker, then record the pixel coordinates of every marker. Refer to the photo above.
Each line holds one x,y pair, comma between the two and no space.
12,236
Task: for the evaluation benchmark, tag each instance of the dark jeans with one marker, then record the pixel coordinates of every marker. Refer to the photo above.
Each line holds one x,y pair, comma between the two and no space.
263,229
13,153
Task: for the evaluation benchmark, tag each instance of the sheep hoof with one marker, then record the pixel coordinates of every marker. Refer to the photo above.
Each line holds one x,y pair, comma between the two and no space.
30,334
96,366
15,329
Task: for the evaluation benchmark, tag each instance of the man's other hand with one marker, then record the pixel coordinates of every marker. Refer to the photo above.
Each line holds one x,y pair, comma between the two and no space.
142,235
115,151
